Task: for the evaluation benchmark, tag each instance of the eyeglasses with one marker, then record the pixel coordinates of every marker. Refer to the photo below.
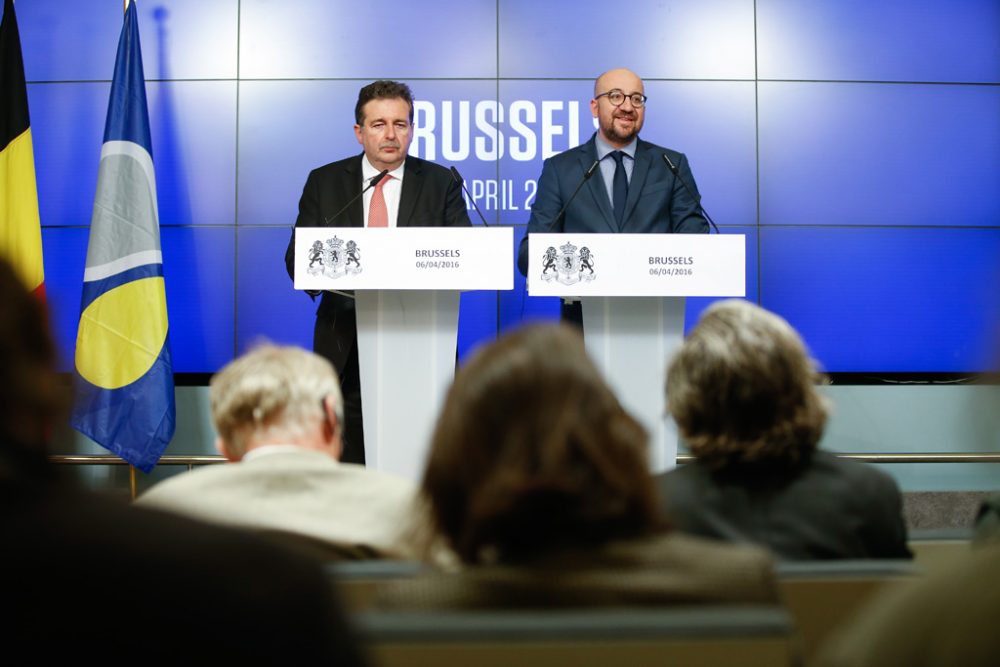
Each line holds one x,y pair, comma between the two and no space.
617,98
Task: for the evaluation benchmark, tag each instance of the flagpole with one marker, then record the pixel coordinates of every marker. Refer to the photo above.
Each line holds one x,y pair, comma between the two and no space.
131,480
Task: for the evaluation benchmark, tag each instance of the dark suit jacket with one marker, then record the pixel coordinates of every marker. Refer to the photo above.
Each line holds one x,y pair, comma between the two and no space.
830,508
87,577
430,198
657,201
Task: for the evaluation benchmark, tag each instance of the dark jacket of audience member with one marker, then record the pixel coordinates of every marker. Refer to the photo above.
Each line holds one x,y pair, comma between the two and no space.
538,480
84,578
742,390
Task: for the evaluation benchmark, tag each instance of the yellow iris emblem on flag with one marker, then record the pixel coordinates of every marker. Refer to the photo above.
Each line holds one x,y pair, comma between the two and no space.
121,333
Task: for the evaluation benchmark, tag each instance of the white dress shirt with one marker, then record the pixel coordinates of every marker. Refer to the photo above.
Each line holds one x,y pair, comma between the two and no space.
391,190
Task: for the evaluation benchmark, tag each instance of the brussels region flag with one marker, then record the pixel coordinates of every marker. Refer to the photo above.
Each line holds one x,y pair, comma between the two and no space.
125,399
20,230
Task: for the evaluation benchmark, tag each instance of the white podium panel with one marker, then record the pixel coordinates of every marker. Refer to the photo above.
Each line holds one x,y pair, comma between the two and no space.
406,283
637,265
632,288
406,353
630,339
404,258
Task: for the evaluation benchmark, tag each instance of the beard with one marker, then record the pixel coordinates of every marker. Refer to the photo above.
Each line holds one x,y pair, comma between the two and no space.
612,133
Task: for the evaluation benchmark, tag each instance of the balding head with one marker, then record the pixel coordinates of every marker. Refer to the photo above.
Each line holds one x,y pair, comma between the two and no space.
618,125
621,78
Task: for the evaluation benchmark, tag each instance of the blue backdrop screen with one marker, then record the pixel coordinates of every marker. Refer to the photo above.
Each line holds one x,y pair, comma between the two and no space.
856,145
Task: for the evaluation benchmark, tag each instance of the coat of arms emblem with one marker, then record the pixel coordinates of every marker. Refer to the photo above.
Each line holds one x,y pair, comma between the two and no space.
568,266
335,258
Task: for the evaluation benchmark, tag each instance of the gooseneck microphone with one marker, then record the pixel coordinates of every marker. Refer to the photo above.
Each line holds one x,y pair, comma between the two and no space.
461,181
372,182
522,260
289,254
694,195
586,177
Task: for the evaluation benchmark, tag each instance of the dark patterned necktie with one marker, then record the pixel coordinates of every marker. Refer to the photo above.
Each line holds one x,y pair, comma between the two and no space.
619,193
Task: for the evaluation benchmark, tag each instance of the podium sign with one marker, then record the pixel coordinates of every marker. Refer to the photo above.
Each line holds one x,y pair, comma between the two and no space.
636,265
404,258
406,285
632,287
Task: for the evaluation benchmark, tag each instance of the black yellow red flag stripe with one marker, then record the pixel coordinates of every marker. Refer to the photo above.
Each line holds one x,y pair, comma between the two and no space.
20,227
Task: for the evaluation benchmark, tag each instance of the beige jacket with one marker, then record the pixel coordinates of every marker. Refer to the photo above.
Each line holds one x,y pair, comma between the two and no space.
297,491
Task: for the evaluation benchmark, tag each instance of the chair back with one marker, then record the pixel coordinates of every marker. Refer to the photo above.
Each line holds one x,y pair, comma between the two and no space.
703,636
822,595
357,581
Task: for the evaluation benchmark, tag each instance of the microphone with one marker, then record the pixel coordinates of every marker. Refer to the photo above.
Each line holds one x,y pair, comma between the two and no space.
522,259
461,181
586,177
694,195
372,182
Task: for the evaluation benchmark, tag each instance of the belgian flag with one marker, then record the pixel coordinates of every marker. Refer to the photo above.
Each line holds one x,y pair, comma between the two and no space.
20,229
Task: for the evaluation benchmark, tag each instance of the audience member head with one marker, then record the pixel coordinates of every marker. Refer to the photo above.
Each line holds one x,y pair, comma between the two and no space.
533,453
32,397
277,396
742,390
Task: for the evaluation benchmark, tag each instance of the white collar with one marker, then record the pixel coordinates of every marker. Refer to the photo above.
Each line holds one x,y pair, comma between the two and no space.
368,171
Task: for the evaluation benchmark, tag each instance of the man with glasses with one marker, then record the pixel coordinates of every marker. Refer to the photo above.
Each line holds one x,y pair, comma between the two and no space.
414,193
633,190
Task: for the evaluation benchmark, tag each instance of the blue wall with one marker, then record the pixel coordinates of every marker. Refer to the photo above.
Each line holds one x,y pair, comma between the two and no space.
856,144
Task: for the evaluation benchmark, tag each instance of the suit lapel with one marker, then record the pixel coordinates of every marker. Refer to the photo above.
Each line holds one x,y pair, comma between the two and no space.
356,213
596,185
640,170
412,182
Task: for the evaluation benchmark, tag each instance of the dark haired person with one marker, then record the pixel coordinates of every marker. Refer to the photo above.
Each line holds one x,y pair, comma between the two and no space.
86,578
538,480
415,193
742,390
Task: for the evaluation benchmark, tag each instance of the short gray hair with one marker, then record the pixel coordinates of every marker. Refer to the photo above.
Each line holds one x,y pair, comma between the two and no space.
272,391
742,389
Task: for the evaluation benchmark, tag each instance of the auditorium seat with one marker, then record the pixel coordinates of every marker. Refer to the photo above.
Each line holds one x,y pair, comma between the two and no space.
822,595
316,548
703,636
357,581
935,549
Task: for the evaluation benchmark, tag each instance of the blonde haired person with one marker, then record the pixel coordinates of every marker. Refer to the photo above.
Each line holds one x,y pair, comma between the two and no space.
278,412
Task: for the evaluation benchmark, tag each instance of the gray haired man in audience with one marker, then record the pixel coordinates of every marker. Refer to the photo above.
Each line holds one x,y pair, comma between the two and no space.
278,412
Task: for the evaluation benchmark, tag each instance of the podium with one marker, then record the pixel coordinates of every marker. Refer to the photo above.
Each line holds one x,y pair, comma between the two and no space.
633,288
407,283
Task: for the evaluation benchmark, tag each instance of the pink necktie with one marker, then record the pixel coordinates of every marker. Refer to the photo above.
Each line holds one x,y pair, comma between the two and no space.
378,214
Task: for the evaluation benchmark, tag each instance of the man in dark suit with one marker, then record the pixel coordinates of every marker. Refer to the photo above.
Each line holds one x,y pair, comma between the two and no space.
415,193
633,190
